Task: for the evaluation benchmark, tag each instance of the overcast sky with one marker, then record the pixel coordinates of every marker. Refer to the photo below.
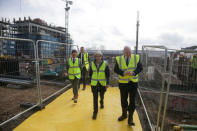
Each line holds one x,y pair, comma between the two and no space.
112,23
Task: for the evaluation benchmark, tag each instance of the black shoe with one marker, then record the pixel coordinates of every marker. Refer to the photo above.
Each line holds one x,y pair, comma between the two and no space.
94,116
102,106
75,100
130,121
121,118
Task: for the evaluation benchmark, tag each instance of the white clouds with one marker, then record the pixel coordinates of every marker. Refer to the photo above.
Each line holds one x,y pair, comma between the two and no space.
113,22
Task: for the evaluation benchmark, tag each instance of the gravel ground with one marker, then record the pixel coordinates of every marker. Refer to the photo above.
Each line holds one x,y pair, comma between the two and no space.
10,99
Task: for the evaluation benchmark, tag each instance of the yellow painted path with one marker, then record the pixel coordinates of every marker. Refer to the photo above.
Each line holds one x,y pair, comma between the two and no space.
64,115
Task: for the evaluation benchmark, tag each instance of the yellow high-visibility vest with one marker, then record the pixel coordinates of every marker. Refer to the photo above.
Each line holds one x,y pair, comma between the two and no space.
193,61
74,69
134,59
98,76
86,62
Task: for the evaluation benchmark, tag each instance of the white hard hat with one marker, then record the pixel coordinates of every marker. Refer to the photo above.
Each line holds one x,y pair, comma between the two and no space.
98,53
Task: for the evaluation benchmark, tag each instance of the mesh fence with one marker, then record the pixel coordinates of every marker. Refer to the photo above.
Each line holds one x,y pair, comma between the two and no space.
17,76
154,61
52,65
182,97
168,87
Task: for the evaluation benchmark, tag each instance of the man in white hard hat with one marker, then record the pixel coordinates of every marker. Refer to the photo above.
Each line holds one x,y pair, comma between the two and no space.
99,75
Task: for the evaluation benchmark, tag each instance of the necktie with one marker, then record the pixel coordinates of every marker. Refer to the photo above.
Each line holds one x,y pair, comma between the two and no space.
127,61
82,58
73,60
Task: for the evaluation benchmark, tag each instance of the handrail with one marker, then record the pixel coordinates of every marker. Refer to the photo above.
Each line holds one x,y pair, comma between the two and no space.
149,122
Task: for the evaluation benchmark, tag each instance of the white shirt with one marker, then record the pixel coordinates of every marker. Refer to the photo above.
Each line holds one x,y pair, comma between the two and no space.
126,58
82,54
73,59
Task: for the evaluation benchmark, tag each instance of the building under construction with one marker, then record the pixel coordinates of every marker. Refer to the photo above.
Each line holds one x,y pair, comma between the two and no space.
18,56
35,29
6,47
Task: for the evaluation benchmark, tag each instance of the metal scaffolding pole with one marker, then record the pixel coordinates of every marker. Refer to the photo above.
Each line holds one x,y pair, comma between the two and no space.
137,32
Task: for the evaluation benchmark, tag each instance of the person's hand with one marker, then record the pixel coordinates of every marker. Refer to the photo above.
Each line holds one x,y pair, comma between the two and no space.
107,86
131,73
126,73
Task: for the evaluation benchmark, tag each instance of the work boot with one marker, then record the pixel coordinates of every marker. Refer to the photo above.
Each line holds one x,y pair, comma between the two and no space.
123,116
94,116
130,120
75,98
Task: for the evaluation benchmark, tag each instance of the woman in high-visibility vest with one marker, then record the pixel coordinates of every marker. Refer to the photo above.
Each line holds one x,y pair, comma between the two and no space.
99,75
74,73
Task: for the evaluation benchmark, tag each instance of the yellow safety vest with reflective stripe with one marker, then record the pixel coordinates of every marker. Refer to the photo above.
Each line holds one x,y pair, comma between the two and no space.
134,59
74,69
193,61
86,62
98,75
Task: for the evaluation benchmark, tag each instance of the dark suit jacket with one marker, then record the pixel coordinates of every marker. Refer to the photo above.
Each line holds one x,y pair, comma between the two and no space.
121,72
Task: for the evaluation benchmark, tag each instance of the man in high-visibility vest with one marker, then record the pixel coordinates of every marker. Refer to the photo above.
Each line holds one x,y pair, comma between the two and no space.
99,75
74,73
128,67
85,66
193,68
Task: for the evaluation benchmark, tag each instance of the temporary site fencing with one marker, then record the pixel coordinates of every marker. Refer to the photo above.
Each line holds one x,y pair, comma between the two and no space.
31,72
168,87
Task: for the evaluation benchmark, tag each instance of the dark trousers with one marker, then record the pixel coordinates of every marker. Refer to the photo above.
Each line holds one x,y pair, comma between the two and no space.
75,83
193,74
95,90
83,77
128,90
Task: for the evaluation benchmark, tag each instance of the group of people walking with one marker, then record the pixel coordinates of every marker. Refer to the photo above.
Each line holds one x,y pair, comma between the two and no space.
127,67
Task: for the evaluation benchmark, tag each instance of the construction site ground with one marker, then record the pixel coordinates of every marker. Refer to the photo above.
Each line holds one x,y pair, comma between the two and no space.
172,117
11,98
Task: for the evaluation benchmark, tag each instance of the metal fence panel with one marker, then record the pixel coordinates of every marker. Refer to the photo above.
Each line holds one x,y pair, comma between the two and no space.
52,57
182,98
168,87
154,60
18,82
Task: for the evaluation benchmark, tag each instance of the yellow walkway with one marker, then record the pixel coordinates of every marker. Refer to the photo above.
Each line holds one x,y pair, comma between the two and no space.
63,115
